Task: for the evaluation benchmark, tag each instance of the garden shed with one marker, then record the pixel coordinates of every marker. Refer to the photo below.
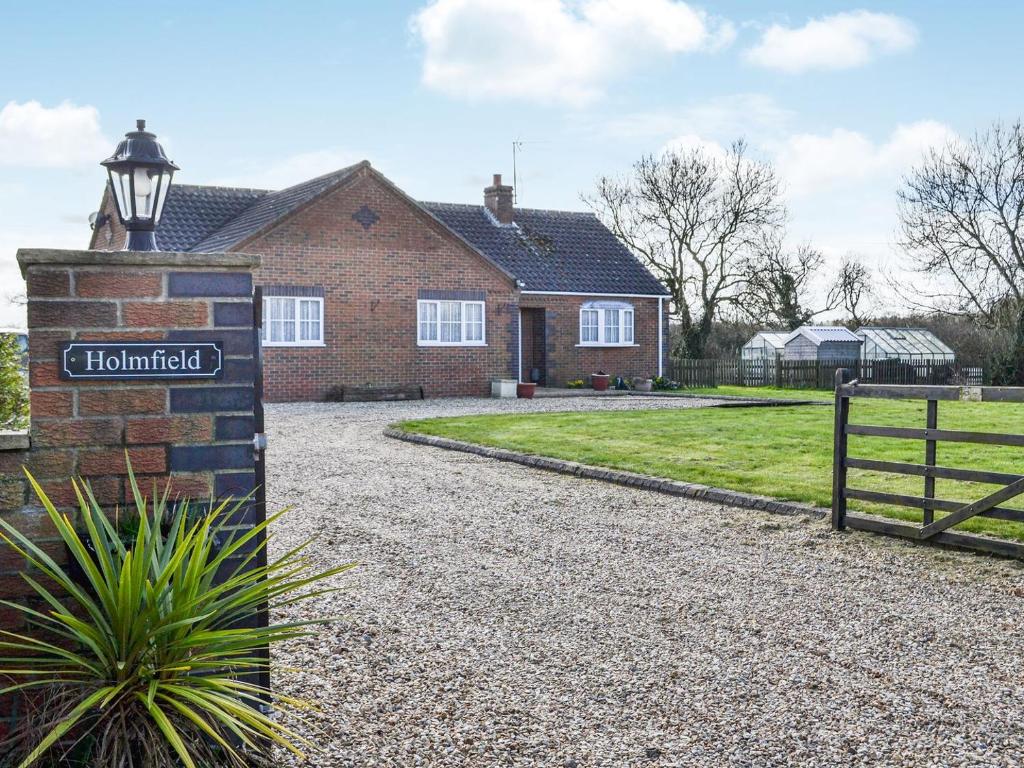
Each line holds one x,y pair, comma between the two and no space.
911,345
822,342
764,345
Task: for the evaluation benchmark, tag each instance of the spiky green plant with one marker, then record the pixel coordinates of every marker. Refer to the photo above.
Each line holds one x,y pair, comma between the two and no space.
151,663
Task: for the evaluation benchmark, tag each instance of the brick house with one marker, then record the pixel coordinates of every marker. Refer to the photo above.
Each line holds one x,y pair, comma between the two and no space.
365,287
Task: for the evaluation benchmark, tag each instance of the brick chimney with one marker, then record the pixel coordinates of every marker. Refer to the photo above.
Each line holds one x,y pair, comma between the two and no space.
498,199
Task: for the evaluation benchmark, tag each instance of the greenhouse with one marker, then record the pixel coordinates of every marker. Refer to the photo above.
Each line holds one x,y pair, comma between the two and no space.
764,345
911,345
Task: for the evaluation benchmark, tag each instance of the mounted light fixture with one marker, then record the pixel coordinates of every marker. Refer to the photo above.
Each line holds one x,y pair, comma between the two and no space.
140,176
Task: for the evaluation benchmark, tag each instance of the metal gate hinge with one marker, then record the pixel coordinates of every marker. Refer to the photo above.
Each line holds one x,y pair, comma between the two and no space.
259,441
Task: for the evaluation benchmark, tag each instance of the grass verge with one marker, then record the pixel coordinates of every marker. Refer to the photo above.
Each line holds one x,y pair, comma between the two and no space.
768,393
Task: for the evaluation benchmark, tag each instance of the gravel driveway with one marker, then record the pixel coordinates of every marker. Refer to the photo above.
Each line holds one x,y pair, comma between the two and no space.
504,616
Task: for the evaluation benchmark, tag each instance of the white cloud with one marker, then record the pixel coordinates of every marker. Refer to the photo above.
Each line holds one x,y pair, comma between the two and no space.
552,51
840,186
48,235
65,136
841,41
733,116
811,164
291,170
689,141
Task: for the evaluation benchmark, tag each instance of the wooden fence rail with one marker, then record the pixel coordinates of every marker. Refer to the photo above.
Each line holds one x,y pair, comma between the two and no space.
932,529
816,374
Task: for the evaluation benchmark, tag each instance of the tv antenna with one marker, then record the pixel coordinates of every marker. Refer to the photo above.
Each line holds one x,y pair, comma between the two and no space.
516,146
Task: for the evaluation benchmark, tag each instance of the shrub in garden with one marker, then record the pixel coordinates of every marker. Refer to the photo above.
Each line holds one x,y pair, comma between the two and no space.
575,384
150,663
660,382
13,385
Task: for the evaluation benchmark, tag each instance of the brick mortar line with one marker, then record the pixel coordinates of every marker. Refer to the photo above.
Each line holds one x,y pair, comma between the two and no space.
618,477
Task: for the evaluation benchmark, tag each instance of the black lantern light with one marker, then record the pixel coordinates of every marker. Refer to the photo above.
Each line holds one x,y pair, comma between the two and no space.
140,175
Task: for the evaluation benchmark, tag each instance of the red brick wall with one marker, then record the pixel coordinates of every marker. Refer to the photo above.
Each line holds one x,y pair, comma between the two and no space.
567,361
197,434
82,428
370,279
371,276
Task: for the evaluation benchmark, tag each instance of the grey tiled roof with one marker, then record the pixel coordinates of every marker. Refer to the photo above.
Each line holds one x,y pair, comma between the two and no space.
191,213
268,209
561,251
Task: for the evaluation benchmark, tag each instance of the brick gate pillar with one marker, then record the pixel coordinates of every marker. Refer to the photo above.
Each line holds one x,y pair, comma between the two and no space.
197,433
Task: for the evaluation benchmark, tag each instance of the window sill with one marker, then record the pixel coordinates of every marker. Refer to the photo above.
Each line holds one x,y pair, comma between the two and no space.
607,346
292,345
450,344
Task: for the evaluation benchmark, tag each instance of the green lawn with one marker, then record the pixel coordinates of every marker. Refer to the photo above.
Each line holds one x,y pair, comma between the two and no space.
784,452
771,393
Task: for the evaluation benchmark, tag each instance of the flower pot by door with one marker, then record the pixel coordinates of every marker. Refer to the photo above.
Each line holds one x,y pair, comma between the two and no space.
600,381
525,390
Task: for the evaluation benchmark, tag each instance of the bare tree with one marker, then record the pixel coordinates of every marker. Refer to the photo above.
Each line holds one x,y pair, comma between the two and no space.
852,290
779,281
694,219
961,217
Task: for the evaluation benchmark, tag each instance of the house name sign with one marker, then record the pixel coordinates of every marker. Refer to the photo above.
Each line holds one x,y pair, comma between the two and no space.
141,360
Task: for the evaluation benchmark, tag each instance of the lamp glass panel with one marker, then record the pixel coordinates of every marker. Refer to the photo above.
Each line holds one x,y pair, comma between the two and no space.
145,189
123,193
163,186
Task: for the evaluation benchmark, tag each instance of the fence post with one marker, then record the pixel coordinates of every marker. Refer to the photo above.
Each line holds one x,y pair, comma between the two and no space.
842,416
931,423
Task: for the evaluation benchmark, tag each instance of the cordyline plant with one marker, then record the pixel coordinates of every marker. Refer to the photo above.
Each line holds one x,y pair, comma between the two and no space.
148,664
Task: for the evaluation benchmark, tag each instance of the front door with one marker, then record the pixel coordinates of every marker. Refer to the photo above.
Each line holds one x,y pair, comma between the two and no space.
534,346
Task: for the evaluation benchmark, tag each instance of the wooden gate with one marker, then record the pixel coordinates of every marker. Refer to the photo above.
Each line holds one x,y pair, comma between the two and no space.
932,529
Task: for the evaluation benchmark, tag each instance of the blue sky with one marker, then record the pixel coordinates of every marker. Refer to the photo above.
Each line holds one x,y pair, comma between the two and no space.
842,97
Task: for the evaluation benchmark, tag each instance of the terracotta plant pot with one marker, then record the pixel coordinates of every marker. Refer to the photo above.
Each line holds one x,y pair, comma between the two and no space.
600,381
525,390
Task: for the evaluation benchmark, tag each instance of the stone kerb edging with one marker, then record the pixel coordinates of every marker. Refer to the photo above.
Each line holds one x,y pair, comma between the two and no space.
619,477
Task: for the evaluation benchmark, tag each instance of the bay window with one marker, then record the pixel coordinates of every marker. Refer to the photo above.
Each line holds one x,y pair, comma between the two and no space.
606,324
450,323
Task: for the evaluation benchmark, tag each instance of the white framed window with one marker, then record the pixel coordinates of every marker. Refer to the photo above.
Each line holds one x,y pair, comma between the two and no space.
612,326
606,324
428,321
444,323
474,322
590,320
293,321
